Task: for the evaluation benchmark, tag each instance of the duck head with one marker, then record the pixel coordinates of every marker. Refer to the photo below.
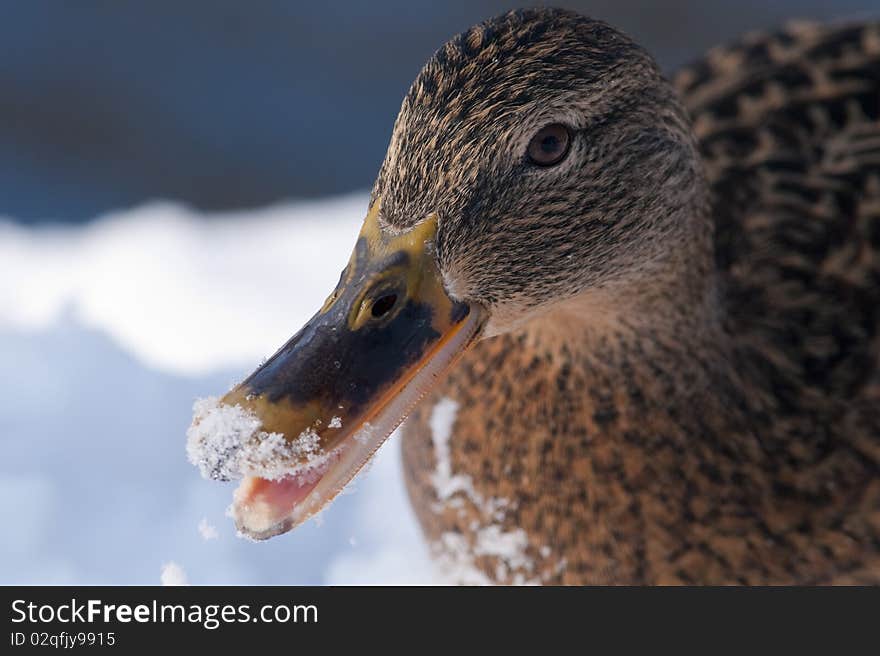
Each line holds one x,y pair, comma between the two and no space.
537,158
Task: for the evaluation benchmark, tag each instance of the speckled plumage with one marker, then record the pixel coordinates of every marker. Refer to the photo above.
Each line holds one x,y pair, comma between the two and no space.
683,385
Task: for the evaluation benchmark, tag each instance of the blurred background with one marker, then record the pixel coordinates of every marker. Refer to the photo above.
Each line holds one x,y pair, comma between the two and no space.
180,183
223,104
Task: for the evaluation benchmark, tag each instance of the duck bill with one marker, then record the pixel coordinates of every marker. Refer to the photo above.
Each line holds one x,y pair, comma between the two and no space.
300,427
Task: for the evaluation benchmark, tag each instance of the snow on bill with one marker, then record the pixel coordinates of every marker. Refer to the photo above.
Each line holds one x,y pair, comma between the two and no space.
226,442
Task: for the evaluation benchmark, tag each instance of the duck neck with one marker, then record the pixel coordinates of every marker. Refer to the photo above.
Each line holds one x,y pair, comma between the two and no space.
659,349
669,297
685,477
664,421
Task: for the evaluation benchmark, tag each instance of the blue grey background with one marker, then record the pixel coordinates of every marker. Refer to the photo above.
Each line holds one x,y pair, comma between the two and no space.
230,104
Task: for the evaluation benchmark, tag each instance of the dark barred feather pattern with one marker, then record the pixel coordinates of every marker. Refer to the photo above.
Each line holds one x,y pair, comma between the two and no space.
789,130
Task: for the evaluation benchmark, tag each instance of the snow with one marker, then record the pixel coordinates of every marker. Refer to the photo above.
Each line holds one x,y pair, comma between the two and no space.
390,547
108,333
219,433
452,489
445,484
180,293
214,440
509,550
173,574
455,553
207,531
455,556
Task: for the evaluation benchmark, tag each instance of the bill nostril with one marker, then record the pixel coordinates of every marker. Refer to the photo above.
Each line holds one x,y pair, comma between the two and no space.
383,305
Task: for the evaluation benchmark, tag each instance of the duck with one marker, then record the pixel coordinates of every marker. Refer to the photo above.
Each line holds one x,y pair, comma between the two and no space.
632,321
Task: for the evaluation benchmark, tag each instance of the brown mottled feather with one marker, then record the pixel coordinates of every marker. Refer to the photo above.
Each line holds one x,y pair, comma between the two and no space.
690,452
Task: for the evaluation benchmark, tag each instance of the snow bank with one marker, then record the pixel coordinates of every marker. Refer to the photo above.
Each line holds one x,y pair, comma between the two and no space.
184,293
441,421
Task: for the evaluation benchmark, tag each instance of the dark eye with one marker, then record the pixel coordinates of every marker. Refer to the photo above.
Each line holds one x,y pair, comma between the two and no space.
550,145
383,305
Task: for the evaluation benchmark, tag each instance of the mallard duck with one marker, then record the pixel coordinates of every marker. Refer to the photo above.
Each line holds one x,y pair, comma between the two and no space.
633,322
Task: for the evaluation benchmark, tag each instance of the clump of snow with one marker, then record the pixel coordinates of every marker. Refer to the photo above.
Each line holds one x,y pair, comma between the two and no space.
448,485
227,442
445,483
207,531
216,439
455,557
509,548
455,553
335,422
307,444
173,574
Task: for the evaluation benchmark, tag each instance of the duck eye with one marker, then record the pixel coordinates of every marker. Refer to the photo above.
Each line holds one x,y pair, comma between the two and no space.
383,305
550,145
